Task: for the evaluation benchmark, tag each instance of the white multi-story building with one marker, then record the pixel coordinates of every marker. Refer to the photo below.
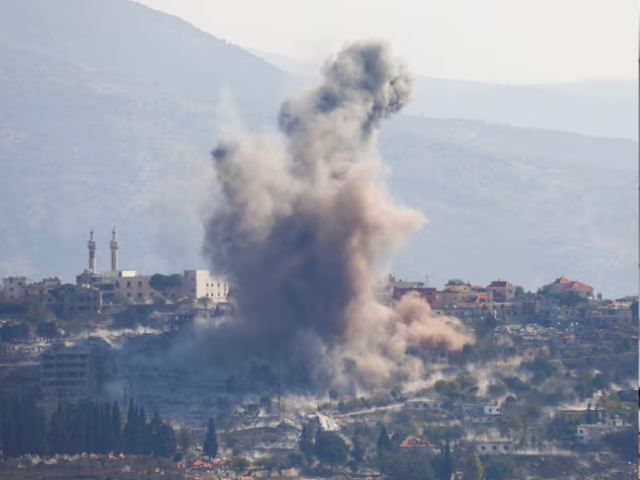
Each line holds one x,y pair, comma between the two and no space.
201,284
14,287
66,373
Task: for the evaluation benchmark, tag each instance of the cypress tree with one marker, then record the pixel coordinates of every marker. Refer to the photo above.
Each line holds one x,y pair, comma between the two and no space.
384,442
210,446
307,439
116,426
142,431
155,435
128,432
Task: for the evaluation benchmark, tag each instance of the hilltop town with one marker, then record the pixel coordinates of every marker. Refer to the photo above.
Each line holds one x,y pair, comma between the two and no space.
550,374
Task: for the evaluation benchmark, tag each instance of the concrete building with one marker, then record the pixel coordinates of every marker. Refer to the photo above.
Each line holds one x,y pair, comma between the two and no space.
564,285
587,433
482,413
456,293
135,288
495,447
502,291
14,287
430,295
82,301
18,289
419,405
128,284
74,373
201,284
66,374
385,290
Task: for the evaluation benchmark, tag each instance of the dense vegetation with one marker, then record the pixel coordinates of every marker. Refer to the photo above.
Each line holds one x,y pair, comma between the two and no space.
87,427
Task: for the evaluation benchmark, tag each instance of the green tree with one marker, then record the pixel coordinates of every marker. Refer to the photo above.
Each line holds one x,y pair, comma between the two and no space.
265,402
162,440
116,428
473,468
519,291
384,449
634,312
408,464
164,283
443,464
35,315
499,468
624,443
210,446
359,448
330,448
516,385
497,389
307,438
384,442
183,438
240,463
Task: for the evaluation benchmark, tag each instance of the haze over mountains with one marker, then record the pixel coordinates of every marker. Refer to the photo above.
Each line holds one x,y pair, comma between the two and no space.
599,107
110,109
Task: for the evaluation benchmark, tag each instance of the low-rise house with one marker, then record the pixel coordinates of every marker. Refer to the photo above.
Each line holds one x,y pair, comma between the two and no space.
482,413
419,405
430,295
532,353
564,285
502,291
587,433
415,443
493,447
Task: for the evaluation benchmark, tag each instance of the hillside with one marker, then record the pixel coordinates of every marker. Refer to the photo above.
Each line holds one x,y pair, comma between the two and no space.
596,108
110,110
522,204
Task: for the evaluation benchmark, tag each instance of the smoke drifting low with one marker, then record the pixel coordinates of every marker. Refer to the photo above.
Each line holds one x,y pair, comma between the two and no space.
305,227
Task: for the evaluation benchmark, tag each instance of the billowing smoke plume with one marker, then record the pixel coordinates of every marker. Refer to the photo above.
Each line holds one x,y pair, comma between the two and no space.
305,225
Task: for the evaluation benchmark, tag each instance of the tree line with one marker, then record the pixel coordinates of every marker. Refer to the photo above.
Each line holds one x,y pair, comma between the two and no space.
87,426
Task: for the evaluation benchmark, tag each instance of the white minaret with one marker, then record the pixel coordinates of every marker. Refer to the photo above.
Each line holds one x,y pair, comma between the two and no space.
91,244
114,250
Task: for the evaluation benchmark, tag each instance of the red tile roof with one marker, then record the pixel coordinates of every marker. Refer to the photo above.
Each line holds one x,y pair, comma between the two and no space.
563,280
580,286
500,284
414,442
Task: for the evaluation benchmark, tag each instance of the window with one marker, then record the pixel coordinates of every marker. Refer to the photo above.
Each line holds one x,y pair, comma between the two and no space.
128,294
139,284
482,448
495,448
117,284
139,295
128,284
506,447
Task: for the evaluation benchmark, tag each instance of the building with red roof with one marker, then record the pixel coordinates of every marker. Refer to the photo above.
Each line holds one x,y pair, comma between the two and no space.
502,291
426,293
415,442
562,285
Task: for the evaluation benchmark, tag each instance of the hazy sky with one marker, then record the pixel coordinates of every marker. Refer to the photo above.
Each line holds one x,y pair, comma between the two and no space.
518,41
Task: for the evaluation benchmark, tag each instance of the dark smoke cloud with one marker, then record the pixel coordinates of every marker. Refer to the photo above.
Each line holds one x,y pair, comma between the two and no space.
304,227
